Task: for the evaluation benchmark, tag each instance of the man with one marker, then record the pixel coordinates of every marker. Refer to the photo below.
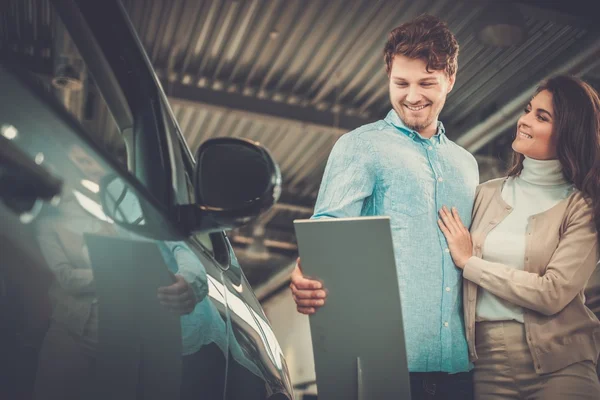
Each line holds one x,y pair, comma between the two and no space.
406,168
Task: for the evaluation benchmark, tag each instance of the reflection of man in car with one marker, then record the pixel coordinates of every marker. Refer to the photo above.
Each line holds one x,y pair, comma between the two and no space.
67,358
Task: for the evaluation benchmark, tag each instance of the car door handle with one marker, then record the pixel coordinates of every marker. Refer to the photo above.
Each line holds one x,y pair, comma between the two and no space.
21,178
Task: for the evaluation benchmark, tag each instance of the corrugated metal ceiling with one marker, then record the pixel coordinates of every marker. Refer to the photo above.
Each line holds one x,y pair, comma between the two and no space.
328,53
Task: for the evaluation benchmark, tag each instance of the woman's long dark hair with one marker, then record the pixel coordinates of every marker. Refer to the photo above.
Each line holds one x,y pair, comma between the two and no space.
577,128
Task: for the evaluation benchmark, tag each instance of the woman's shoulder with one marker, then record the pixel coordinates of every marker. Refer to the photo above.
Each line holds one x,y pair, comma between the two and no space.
490,187
579,205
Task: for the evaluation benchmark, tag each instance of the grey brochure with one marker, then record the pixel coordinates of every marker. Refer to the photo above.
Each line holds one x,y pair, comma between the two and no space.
358,337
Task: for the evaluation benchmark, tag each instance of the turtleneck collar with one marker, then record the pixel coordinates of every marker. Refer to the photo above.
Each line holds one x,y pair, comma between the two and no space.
542,172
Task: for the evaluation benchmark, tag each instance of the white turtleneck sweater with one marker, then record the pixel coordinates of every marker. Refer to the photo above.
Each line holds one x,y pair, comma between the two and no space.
539,187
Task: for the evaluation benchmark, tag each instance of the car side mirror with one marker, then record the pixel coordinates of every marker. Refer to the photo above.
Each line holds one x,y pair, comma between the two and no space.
235,181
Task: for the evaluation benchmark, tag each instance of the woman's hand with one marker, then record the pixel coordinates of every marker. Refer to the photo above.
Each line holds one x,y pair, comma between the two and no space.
457,236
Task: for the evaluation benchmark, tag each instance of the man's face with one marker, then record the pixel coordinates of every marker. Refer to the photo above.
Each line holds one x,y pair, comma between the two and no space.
418,96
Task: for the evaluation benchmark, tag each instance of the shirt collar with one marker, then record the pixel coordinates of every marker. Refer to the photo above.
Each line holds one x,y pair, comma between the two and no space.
393,119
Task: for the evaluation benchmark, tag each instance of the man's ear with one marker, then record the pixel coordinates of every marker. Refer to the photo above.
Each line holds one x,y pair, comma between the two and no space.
451,81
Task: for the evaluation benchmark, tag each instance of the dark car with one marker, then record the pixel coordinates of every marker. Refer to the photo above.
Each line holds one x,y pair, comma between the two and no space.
101,204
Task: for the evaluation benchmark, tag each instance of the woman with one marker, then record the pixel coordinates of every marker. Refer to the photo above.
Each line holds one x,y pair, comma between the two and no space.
532,248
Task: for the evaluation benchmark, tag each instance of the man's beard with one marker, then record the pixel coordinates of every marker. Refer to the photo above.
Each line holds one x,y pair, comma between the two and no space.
416,125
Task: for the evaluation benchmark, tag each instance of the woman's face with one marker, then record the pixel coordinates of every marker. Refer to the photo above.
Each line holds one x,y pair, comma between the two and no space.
535,134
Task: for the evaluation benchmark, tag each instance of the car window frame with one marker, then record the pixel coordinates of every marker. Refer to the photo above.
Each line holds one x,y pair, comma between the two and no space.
127,61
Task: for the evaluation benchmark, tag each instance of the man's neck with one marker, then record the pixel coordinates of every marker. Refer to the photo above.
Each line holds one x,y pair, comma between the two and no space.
429,131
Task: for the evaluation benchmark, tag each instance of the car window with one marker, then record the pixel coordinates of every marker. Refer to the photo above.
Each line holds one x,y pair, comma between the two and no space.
86,77
206,241
70,81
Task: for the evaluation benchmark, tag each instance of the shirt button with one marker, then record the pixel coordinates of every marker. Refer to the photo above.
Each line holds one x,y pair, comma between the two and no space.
440,179
447,289
446,324
430,148
447,250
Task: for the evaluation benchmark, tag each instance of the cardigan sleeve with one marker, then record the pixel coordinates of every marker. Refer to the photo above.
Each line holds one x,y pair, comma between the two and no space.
567,273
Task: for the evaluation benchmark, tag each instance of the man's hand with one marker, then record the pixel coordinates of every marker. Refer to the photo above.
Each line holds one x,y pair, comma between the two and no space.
178,297
308,294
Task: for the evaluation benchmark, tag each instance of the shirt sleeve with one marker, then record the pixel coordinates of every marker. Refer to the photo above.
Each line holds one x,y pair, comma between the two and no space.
348,180
190,269
567,273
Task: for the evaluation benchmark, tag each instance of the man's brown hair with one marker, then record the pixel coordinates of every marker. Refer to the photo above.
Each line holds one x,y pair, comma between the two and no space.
427,38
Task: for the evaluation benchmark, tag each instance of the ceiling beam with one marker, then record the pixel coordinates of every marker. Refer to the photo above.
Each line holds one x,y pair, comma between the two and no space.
576,13
251,104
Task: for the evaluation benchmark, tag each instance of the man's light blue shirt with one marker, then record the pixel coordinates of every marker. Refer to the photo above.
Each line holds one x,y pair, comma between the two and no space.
385,168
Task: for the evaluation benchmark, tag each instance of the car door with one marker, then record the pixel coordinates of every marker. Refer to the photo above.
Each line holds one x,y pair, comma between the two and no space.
84,180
